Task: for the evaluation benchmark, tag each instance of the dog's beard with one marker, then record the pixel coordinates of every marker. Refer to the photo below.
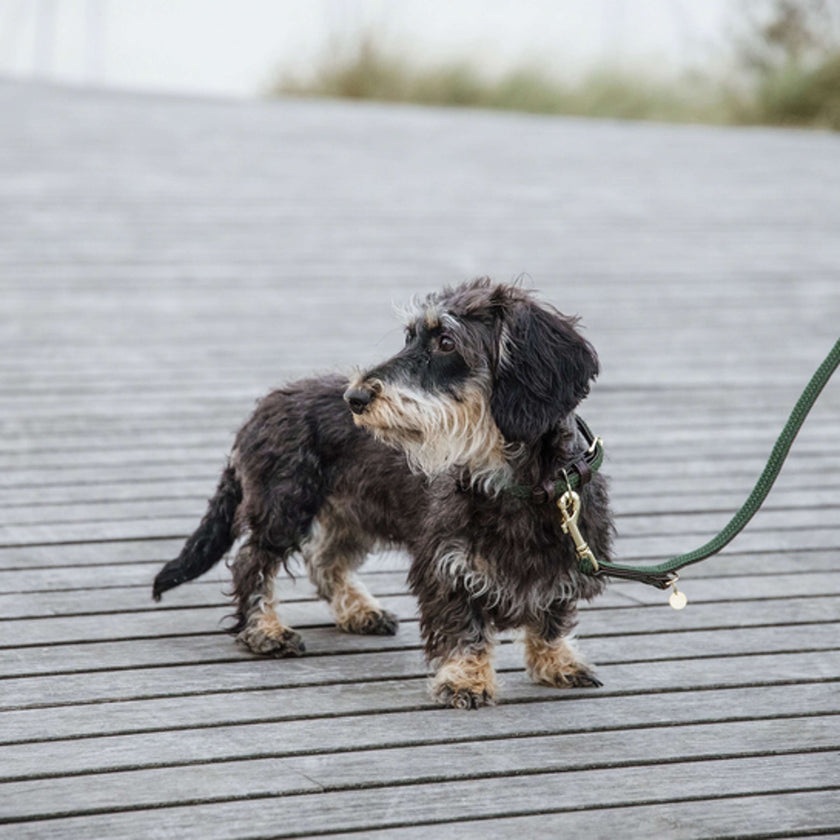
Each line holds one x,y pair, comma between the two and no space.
439,432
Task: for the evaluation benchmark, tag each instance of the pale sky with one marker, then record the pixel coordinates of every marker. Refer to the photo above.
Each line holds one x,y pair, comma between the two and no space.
232,47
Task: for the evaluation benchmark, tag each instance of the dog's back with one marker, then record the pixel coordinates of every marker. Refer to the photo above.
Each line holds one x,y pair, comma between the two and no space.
299,448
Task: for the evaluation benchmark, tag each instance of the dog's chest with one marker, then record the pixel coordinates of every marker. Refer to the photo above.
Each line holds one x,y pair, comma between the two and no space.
515,590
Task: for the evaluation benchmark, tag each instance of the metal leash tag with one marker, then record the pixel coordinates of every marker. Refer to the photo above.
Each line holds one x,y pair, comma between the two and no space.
569,506
677,599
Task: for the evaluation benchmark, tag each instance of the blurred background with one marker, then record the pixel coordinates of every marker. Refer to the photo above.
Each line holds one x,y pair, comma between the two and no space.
756,61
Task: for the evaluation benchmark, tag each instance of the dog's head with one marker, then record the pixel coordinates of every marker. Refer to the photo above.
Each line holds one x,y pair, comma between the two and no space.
485,370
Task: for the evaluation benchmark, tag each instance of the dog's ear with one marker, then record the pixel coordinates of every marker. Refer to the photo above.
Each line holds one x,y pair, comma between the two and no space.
543,371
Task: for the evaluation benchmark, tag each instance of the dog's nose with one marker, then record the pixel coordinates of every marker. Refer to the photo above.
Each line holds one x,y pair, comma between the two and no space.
358,399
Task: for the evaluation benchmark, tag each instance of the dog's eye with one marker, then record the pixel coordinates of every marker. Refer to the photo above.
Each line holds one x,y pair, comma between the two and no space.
446,344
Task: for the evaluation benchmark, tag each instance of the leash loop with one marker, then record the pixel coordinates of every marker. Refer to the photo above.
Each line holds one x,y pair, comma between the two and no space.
663,575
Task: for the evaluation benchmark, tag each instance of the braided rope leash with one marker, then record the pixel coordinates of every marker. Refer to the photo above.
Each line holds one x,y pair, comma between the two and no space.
665,574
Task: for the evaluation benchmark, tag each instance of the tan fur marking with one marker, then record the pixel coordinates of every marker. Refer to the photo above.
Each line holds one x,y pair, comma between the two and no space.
352,604
438,432
472,672
552,663
264,633
270,625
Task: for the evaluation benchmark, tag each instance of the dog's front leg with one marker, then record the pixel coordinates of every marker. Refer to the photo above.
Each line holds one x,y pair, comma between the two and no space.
465,679
551,655
334,551
459,643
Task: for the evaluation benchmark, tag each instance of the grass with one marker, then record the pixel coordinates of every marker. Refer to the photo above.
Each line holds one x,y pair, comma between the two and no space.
796,96
787,95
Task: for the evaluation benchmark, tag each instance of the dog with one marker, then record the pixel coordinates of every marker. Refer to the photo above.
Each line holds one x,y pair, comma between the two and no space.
422,452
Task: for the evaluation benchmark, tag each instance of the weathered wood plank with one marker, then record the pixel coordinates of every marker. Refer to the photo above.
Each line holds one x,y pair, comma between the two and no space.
97,512
204,451
818,466
128,501
823,511
253,776
105,552
818,535
592,710
628,437
320,641
54,445
618,620
362,809
134,599
102,575
258,674
760,815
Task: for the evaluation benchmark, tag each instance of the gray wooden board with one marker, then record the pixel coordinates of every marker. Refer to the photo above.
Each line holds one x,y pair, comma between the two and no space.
131,502
759,816
200,452
52,603
238,673
75,658
106,552
165,262
818,465
269,734
624,618
820,534
54,578
358,737
671,442
296,815
820,510
456,758
387,718
116,500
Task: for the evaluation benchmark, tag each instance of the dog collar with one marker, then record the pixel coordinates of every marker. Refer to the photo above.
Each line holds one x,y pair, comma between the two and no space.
575,474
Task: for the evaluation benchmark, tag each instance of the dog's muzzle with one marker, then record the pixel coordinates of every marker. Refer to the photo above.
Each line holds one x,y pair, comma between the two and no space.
358,399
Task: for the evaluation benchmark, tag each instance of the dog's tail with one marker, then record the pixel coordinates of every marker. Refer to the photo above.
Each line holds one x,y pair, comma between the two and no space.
213,537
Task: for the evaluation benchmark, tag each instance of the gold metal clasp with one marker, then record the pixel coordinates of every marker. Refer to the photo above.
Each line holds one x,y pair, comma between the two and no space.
569,506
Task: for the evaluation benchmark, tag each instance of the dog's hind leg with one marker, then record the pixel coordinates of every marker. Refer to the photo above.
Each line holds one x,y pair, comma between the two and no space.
279,511
551,655
258,627
332,554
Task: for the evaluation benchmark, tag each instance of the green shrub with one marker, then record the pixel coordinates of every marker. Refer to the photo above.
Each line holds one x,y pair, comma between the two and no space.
786,73
794,96
369,72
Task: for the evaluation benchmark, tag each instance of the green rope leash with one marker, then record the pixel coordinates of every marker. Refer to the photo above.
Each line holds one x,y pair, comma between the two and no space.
664,574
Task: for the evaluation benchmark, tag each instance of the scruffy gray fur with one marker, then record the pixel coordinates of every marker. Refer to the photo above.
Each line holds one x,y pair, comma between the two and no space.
421,452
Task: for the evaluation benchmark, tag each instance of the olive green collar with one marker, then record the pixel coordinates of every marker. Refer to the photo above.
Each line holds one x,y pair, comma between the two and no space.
571,476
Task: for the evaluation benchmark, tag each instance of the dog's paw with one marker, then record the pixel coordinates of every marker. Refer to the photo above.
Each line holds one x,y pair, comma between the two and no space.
579,678
558,664
465,681
583,679
371,623
280,644
462,698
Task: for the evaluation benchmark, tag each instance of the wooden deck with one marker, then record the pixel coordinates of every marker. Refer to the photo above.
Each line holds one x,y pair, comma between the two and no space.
164,262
